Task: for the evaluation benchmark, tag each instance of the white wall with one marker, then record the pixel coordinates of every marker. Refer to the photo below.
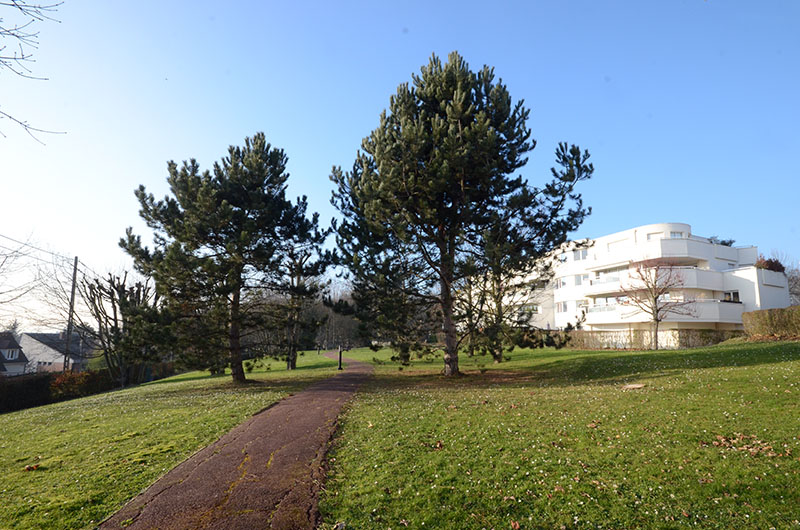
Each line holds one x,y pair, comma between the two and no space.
711,270
39,355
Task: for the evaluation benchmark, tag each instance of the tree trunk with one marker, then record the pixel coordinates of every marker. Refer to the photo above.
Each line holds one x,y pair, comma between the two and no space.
655,334
291,338
450,337
237,371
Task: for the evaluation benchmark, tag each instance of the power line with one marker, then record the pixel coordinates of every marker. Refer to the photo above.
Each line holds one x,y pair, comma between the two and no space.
89,268
56,254
39,249
31,256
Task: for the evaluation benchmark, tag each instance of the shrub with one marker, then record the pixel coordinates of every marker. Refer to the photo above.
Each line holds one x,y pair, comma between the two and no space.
774,322
771,264
640,339
70,385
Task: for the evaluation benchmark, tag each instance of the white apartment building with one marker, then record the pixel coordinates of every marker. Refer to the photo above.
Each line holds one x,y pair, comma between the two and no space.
721,281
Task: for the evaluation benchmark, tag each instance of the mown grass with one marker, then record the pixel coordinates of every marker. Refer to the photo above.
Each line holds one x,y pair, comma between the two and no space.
91,455
552,440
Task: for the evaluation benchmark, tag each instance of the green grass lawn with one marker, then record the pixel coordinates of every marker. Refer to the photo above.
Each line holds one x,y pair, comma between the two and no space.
552,440
94,454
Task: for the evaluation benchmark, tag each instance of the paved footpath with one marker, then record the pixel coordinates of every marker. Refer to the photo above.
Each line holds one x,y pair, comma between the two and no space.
265,473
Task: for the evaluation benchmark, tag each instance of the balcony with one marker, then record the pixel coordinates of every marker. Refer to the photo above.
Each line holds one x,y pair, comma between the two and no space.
693,278
703,311
682,251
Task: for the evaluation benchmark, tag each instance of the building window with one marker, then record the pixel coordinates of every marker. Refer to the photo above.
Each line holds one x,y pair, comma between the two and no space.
580,254
561,307
731,296
560,282
581,279
526,313
11,355
676,235
562,257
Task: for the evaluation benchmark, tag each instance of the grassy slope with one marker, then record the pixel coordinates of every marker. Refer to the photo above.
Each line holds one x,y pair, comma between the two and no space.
96,453
551,440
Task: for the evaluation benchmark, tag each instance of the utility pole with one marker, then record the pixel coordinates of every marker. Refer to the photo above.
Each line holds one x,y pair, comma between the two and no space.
71,309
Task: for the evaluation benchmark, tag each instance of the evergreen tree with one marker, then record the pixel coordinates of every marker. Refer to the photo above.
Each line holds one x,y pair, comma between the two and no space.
515,249
390,286
216,237
433,176
298,277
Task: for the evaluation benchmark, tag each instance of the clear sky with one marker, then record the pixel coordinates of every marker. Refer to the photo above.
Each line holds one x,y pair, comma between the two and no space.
689,108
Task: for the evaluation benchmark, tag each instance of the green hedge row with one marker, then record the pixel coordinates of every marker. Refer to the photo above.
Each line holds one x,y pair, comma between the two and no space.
778,322
33,390
25,391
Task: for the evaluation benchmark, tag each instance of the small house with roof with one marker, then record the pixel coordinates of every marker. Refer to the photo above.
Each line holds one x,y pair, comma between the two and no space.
47,351
12,360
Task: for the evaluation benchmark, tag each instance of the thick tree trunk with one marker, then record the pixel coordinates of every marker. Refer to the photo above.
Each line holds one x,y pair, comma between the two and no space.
450,336
237,371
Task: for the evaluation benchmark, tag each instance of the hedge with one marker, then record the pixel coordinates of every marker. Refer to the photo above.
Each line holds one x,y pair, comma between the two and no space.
33,390
641,339
783,322
24,391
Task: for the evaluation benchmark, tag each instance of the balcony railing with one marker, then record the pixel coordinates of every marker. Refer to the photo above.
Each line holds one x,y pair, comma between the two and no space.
601,308
702,310
693,278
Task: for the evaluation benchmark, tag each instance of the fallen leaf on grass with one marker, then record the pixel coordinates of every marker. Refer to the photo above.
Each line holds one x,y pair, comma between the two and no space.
746,445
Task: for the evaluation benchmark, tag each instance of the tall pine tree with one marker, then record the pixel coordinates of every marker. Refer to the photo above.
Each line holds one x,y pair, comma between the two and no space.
217,236
434,175
298,277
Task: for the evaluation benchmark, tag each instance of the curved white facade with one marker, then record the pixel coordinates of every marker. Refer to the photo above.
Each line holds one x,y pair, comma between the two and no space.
721,281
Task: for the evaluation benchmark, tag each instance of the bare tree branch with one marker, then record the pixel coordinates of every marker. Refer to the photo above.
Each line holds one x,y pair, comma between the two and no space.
18,41
653,289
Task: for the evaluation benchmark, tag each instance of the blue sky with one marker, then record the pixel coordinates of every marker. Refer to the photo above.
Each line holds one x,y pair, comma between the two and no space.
689,108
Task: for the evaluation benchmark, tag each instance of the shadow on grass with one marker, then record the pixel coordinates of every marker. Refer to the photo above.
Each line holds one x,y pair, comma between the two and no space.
317,365
560,368
180,378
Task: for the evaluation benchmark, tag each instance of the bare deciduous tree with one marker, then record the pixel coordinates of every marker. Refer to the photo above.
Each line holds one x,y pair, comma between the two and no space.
651,289
14,283
123,333
18,40
793,275
792,272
